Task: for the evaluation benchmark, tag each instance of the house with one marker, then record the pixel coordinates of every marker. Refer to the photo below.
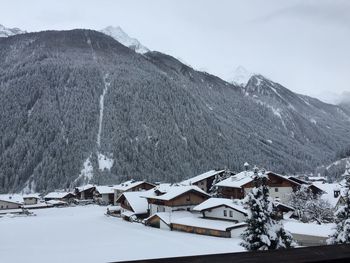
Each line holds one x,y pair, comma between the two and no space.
131,186
10,202
85,192
31,199
237,186
176,197
104,194
205,180
133,205
60,196
191,223
223,209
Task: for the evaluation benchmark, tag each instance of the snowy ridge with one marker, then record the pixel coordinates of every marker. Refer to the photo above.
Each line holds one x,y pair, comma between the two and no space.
118,34
7,32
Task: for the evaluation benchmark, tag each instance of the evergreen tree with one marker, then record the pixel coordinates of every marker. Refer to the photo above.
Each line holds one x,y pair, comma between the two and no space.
342,217
263,231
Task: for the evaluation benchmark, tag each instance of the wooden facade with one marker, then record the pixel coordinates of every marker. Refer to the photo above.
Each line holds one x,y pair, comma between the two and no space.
275,182
201,230
186,199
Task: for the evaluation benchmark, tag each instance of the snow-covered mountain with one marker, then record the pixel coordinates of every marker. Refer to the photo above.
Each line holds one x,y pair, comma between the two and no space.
118,34
240,76
145,117
6,32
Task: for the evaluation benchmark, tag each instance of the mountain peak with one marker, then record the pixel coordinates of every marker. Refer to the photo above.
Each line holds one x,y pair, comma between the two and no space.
118,34
240,76
7,32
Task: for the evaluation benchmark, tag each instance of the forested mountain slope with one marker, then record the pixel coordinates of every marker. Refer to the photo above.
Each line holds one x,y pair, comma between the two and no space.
78,106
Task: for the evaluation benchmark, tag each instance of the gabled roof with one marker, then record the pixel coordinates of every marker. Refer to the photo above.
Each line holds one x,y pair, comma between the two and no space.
245,177
85,187
217,202
329,189
168,217
36,196
175,191
201,177
238,180
12,198
57,195
136,200
102,189
128,185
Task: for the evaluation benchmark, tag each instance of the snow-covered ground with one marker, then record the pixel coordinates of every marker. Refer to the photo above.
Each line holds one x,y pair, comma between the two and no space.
85,234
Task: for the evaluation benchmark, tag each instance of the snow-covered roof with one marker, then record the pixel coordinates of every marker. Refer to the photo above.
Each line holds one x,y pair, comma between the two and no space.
238,180
216,202
311,229
56,202
245,177
31,196
317,178
329,189
168,217
137,202
207,223
128,213
85,187
57,195
127,185
175,191
201,177
102,189
12,198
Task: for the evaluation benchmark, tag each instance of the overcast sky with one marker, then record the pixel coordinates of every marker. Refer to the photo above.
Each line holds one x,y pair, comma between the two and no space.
304,45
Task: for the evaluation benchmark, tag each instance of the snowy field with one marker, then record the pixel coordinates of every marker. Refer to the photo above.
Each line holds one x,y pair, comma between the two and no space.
85,234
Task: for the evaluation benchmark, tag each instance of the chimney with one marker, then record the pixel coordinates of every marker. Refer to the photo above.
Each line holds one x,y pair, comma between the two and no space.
246,166
336,193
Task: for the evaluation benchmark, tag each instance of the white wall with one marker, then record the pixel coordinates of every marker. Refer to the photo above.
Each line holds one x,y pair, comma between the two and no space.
105,198
8,205
30,201
162,225
282,193
218,212
161,208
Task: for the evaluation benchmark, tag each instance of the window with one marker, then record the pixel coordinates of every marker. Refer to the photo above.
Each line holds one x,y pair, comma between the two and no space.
225,213
276,189
231,214
188,198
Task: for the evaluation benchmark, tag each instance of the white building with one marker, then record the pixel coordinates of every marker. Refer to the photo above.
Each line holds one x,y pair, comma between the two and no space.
222,208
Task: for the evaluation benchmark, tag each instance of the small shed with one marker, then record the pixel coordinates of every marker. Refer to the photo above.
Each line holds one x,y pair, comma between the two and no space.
31,199
163,220
85,192
133,204
104,194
